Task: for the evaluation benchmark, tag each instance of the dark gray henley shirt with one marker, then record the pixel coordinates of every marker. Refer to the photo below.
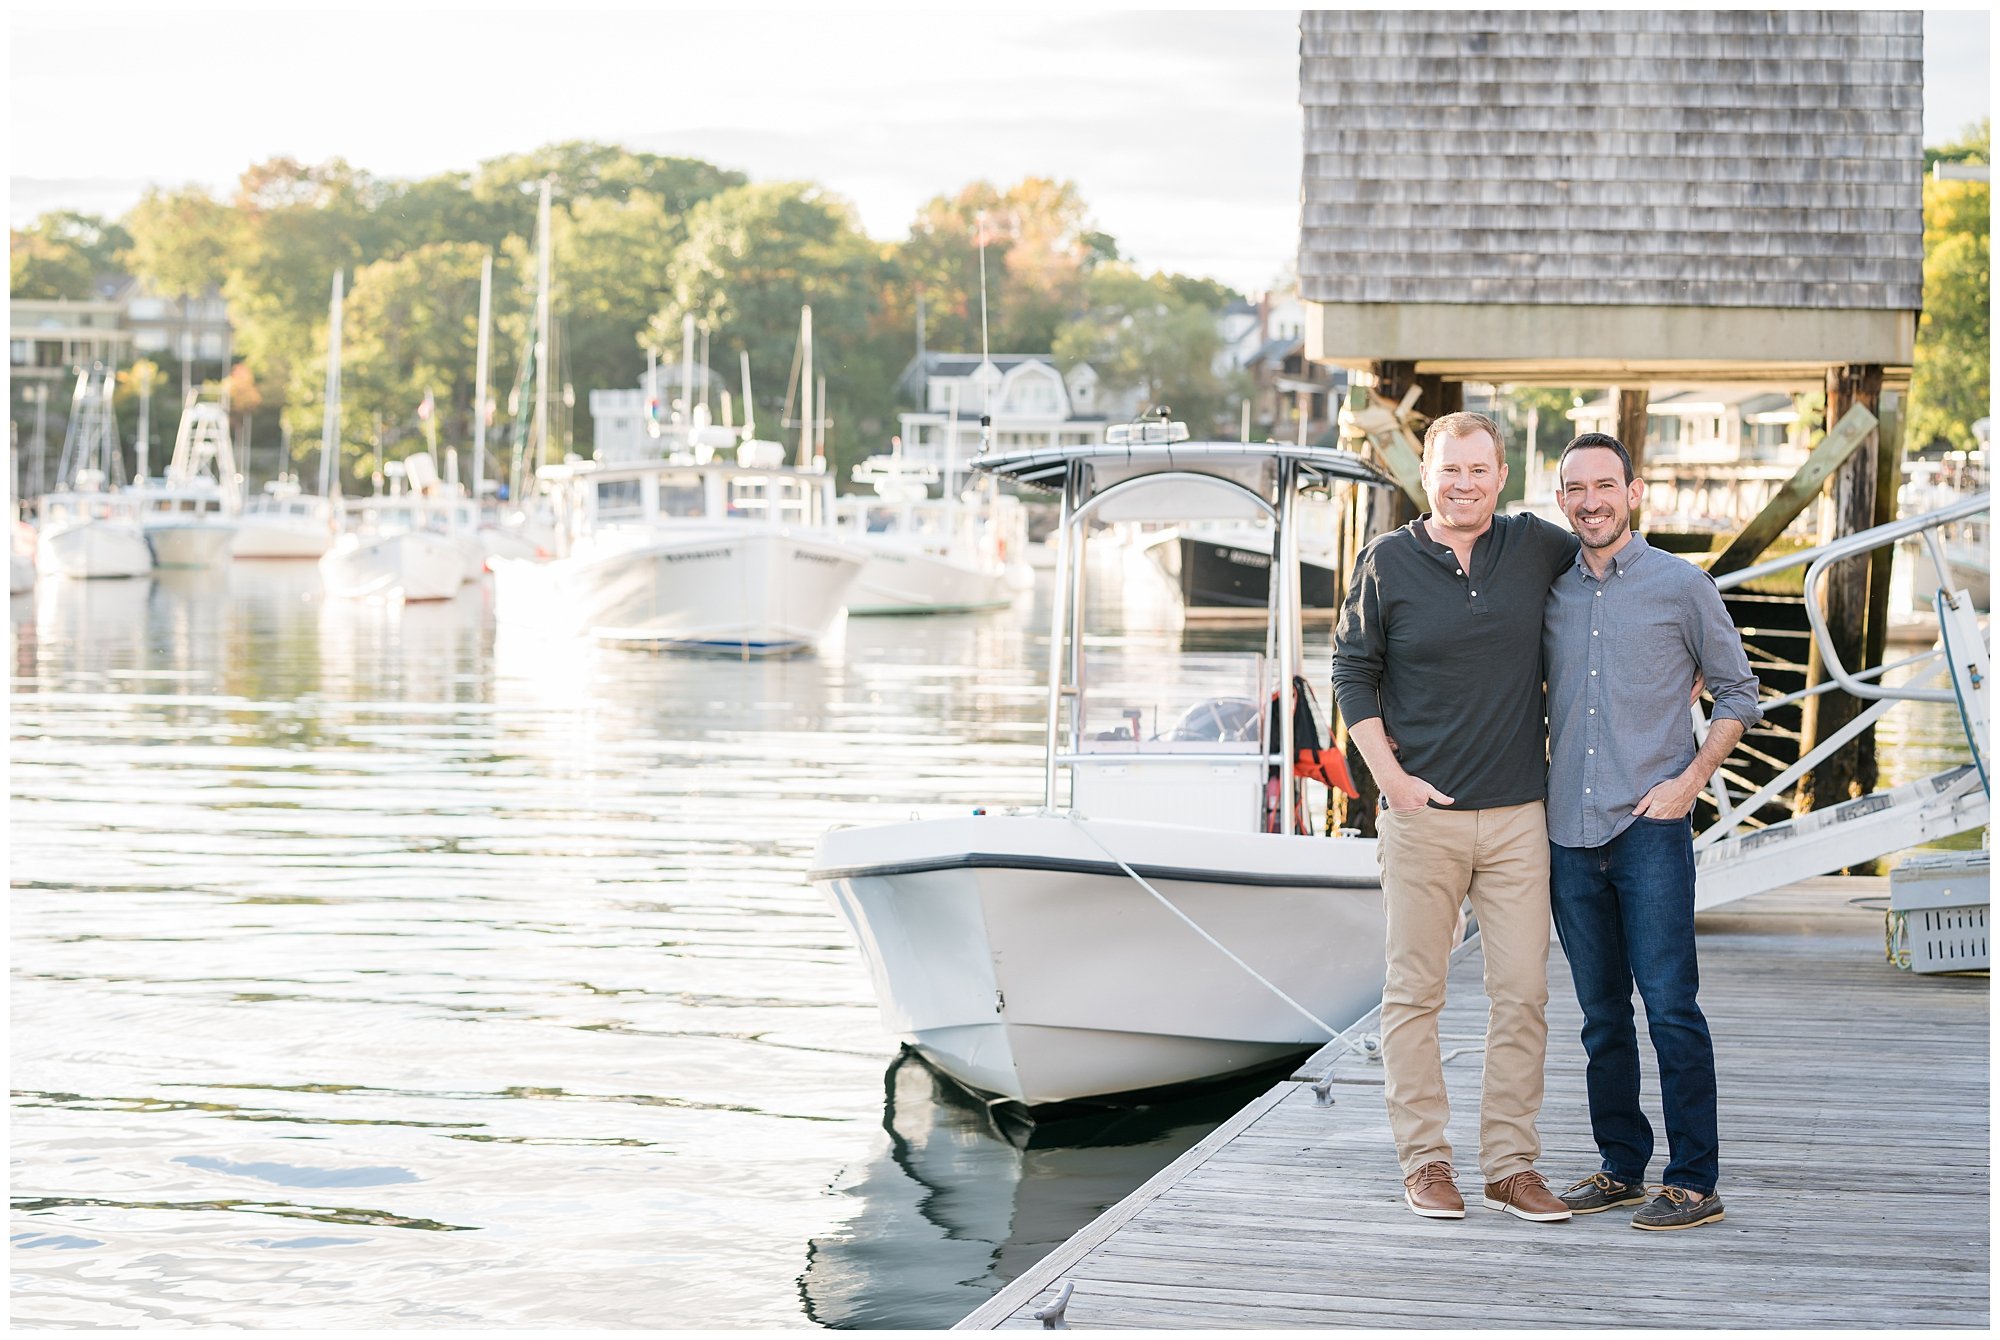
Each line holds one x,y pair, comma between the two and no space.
1451,660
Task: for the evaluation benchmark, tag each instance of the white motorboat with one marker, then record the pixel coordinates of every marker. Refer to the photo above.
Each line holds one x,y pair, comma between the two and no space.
403,545
88,532
691,550
962,551
284,522
735,556
1170,924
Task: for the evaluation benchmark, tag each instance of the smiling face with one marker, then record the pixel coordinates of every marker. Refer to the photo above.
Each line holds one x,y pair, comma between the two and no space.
1464,476
1597,499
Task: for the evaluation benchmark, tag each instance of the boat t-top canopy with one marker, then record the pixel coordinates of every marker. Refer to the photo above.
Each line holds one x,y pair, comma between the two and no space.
1251,464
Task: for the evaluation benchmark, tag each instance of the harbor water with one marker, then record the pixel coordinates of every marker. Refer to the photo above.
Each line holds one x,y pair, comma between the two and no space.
374,966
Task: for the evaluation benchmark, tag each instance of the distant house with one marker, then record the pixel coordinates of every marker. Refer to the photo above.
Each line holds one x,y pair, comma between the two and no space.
1714,455
49,339
624,420
1032,401
1270,346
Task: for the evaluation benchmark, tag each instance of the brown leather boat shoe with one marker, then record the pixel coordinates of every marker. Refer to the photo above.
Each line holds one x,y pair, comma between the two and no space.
1526,1196
1432,1192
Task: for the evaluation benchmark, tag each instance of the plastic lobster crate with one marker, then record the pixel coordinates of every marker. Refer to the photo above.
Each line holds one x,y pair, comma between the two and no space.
1937,912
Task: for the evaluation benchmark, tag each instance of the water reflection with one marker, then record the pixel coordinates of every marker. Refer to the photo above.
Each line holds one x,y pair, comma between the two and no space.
951,1207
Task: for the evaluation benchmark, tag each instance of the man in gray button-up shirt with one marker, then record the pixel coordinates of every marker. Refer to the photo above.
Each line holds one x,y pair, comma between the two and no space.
1626,630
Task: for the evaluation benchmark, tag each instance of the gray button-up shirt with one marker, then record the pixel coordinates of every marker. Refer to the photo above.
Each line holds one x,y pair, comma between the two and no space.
1620,655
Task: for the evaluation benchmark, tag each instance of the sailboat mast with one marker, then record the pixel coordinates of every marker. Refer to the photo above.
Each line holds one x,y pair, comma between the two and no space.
805,387
687,376
329,431
480,394
542,369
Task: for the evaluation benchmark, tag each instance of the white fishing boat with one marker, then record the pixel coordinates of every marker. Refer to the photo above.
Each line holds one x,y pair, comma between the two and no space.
89,529
713,545
964,550
88,532
190,513
409,544
733,555
1168,921
284,522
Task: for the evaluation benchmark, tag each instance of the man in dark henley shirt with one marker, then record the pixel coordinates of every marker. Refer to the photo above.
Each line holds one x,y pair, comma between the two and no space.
1438,672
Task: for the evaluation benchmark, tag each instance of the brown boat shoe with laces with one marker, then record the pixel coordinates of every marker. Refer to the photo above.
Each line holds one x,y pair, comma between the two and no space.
1432,1191
1526,1196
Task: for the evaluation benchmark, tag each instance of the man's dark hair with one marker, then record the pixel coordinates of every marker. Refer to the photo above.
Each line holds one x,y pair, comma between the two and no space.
1590,441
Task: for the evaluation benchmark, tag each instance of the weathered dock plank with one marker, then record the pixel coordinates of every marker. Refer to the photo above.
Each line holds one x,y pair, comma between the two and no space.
1855,1129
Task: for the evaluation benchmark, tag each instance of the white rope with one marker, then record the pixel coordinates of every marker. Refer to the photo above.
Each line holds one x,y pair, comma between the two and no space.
1333,1033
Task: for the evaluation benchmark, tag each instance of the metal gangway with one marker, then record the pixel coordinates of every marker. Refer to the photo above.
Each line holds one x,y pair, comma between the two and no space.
1737,855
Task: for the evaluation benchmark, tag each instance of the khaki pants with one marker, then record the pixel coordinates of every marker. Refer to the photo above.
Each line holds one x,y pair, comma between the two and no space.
1431,860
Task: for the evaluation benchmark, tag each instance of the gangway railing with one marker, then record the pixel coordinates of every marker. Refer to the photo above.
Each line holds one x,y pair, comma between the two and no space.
1736,856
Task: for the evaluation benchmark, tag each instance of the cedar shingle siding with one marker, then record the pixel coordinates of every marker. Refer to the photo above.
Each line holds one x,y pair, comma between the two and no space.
1706,158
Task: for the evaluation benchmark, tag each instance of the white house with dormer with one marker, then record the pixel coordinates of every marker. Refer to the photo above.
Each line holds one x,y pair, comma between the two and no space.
1033,403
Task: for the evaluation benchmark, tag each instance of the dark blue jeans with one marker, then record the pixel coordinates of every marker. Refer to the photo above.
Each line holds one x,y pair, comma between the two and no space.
1625,914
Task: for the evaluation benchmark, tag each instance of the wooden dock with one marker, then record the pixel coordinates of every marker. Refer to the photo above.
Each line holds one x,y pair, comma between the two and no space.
1855,1171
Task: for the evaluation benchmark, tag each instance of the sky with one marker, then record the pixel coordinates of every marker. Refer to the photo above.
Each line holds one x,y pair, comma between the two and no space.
1180,128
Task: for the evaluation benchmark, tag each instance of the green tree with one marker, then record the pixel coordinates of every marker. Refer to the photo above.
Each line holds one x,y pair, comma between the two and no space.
1951,384
1040,247
753,256
63,255
297,224
410,326
182,241
1145,334
507,186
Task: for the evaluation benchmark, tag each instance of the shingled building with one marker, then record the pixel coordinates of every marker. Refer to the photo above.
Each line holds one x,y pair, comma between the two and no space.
1575,195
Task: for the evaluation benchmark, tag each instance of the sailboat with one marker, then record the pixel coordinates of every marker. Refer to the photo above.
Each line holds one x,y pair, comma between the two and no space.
1172,923
87,530
284,521
697,550
189,514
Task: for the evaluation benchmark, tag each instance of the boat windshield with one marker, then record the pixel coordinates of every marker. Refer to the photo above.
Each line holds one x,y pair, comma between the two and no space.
1161,703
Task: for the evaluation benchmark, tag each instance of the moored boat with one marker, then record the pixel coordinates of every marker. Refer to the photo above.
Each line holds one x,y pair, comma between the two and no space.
1172,923
284,522
959,552
87,532
724,556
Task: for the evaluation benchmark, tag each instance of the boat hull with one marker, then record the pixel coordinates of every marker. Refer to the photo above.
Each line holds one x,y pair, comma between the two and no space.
1017,958
410,566
904,580
1217,575
303,538
194,544
739,590
97,548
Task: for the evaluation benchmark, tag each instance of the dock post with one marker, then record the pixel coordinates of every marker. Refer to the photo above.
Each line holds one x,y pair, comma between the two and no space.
1851,771
1632,402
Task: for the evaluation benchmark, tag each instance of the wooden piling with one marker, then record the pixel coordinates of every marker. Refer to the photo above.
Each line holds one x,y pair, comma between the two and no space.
1850,771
